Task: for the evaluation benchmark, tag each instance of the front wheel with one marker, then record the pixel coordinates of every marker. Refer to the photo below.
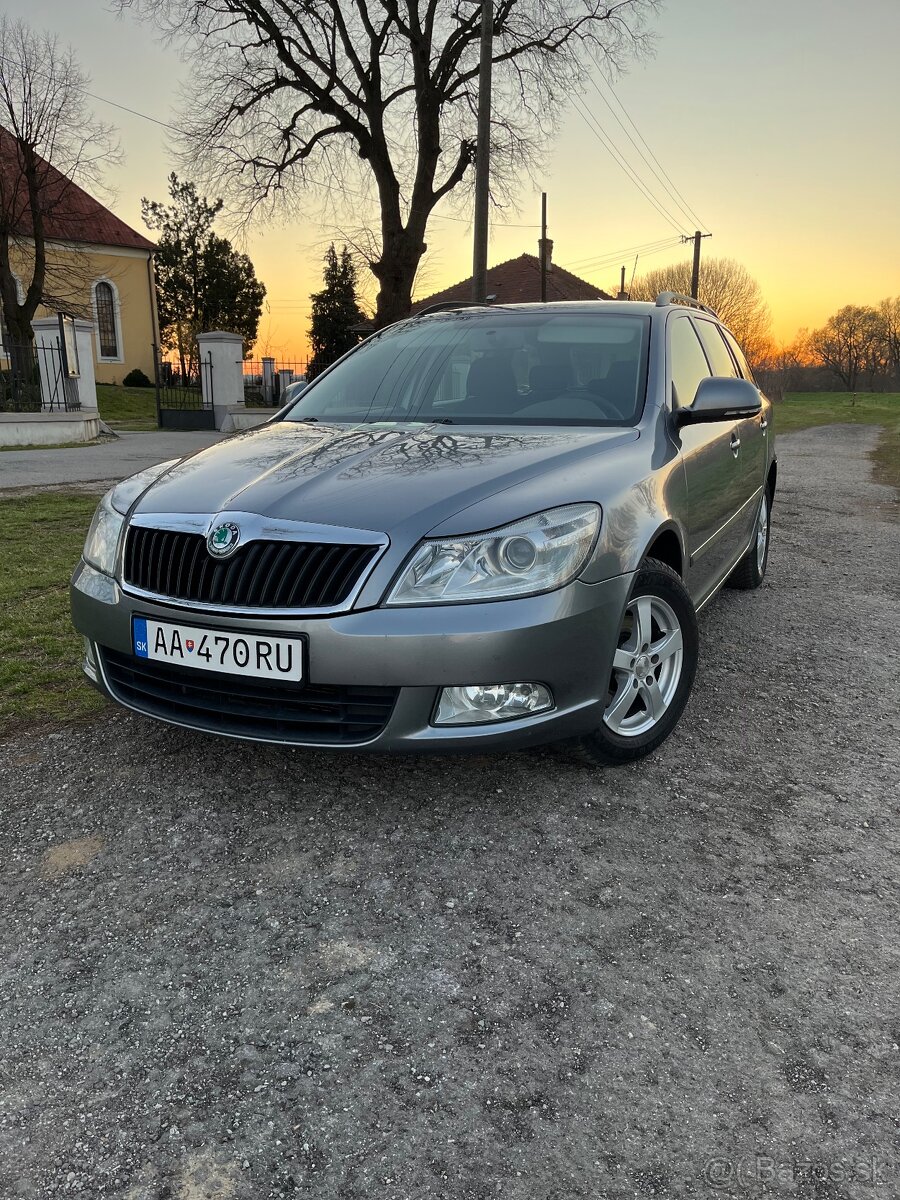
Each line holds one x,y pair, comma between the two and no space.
652,672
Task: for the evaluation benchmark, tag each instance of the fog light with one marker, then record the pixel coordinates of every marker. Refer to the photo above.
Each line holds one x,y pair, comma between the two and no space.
484,702
89,665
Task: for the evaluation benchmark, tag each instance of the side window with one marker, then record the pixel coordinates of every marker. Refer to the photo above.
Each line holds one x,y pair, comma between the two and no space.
687,361
106,321
716,350
738,354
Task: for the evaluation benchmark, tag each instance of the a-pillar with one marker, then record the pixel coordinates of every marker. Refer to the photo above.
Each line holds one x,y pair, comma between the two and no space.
221,371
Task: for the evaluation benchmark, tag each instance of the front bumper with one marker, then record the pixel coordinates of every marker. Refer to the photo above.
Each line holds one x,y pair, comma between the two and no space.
563,639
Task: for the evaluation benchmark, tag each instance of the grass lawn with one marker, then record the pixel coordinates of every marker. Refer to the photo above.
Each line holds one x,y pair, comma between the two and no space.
40,652
802,410
127,408
54,445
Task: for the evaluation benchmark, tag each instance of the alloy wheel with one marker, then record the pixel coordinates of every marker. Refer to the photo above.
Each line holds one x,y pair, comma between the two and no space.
646,667
762,533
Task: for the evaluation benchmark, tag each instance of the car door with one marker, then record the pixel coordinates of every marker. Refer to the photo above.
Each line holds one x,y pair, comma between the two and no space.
750,452
710,464
754,431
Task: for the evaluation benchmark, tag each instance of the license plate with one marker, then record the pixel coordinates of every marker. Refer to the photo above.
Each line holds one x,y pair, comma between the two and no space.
228,653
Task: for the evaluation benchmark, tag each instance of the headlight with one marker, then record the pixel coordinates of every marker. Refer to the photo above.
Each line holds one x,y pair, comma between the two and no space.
102,540
537,554
103,536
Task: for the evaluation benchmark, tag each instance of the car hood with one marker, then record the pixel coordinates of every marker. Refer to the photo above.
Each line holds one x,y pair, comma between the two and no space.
379,477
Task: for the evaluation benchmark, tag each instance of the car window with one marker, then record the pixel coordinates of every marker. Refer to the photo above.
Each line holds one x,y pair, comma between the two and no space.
716,350
687,361
490,367
738,354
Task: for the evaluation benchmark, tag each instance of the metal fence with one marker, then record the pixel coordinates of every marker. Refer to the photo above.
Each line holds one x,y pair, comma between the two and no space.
184,394
34,377
265,380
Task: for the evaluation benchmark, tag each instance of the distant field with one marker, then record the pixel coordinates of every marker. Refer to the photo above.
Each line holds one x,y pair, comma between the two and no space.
802,410
126,408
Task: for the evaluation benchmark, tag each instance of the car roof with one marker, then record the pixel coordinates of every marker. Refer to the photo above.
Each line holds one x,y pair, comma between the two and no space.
603,307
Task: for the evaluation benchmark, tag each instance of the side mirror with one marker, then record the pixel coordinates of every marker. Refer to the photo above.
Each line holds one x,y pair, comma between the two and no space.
721,399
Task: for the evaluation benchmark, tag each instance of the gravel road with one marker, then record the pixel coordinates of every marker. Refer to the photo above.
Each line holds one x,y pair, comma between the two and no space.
241,973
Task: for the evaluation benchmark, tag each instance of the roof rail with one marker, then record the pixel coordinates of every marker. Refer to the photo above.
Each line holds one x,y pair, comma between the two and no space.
446,306
665,298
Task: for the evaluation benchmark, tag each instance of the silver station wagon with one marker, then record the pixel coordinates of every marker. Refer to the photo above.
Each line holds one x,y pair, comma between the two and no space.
484,527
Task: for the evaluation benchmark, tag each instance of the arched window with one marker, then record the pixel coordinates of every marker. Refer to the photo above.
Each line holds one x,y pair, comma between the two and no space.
107,334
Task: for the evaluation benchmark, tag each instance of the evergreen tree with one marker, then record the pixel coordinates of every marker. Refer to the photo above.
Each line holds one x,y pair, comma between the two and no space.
335,311
202,282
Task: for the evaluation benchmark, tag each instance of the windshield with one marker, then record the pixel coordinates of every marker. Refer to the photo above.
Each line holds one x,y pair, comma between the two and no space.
494,367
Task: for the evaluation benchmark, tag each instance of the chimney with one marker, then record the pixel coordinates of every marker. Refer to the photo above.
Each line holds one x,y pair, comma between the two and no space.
545,252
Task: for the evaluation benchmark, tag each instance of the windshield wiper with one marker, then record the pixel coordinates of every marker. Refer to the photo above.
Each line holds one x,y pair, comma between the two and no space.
442,421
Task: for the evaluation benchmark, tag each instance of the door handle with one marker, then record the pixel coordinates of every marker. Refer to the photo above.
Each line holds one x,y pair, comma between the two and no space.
763,424
735,444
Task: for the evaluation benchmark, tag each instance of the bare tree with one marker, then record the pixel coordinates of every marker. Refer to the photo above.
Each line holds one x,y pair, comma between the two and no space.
49,141
852,345
726,286
889,312
355,95
782,368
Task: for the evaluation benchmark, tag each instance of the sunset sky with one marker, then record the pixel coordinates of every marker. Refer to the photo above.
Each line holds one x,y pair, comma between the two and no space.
775,120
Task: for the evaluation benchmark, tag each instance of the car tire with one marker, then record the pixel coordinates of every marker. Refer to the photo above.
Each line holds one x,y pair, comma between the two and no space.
659,641
751,570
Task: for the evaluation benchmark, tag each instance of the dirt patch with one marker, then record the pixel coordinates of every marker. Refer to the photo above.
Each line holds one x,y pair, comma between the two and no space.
70,856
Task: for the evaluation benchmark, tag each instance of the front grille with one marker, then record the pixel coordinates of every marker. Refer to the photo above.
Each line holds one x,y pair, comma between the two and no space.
262,574
289,712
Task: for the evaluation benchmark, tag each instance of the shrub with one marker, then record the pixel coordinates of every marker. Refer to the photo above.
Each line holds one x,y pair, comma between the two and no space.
136,378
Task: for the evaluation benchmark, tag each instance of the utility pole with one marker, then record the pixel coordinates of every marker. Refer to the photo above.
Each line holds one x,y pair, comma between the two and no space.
483,156
695,272
543,247
623,295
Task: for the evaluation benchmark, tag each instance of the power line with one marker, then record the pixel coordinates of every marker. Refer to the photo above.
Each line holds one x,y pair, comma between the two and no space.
595,271
683,205
134,112
620,160
668,191
643,247
103,99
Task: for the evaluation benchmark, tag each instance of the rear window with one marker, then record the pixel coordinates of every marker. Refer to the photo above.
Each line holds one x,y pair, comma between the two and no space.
738,354
716,351
491,367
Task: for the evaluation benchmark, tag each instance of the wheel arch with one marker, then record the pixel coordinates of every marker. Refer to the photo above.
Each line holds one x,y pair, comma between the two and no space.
666,546
772,480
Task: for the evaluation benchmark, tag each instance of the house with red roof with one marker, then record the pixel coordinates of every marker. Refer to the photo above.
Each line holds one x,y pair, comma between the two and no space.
98,267
518,281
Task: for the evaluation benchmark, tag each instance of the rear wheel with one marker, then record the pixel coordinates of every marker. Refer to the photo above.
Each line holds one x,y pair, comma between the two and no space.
749,572
652,672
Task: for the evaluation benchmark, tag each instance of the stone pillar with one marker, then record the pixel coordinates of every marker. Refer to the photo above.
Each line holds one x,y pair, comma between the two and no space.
268,380
47,341
224,376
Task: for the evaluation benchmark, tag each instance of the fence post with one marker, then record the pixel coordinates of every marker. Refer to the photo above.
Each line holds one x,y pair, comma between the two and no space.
46,338
223,381
268,380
